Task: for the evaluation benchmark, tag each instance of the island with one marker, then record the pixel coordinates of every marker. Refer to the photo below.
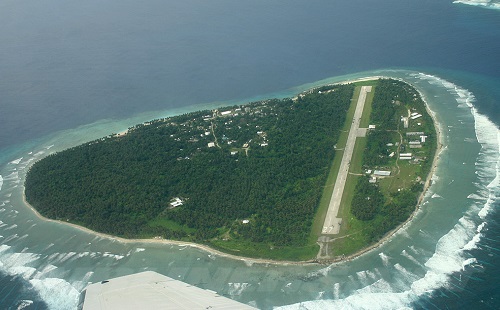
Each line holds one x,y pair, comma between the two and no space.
318,177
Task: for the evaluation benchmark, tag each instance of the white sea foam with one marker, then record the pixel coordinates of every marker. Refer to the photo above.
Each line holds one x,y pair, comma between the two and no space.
13,176
481,227
45,270
488,4
468,262
450,255
246,261
472,244
115,256
320,295
16,161
67,256
11,227
82,284
407,275
235,289
1,181
336,290
476,197
488,135
10,238
54,257
363,278
25,272
411,258
368,300
24,303
384,258
83,254
378,286
57,293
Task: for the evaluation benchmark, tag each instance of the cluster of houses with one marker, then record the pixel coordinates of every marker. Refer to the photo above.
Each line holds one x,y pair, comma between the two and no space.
417,138
412,116
261,139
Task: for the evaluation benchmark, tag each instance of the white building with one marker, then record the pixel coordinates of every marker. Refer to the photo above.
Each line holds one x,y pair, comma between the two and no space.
381,173
416,116
175,202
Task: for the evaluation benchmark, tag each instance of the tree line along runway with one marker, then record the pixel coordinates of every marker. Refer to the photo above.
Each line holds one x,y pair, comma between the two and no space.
332,223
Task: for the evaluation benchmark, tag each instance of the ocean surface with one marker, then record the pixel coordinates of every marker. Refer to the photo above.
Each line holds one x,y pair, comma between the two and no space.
73,71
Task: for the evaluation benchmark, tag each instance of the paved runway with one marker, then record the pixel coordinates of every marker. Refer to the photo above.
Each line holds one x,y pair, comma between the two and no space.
332,222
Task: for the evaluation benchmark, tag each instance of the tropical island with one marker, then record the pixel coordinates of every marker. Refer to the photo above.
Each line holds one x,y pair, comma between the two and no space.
256,180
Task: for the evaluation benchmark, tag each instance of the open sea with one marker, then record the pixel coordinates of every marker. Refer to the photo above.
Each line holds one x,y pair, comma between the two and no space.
73,71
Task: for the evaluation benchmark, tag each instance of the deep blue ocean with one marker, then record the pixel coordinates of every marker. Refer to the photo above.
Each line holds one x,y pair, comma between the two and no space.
71,71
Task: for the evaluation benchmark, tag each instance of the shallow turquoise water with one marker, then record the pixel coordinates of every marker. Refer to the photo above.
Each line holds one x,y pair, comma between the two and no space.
74,71
59,260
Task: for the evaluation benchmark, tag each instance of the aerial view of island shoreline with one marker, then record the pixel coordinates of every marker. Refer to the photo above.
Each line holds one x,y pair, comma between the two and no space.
384,147
249,154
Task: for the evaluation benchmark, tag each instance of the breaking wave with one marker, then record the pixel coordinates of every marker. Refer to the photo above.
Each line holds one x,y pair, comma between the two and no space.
488,4
55,292
452,250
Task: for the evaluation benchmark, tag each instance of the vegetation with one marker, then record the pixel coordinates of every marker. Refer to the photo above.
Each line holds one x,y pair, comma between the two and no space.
367,200
244,179
381,206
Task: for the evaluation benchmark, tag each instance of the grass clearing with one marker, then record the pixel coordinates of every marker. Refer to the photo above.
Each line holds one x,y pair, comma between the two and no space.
351,237
259,250
169,224
367,110
319,218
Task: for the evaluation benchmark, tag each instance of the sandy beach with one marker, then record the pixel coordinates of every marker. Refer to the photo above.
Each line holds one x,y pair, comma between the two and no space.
338,259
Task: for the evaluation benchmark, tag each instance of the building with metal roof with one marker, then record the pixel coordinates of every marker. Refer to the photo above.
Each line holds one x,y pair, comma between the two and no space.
381,173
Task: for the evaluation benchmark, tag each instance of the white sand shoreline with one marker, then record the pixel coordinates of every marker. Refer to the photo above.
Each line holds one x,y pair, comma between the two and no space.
338,259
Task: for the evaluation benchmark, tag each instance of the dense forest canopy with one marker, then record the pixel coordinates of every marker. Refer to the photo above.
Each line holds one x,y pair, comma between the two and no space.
391,200
252,172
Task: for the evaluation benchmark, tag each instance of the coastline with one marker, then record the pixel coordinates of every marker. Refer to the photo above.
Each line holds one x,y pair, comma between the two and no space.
427,184
338,259
168,242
